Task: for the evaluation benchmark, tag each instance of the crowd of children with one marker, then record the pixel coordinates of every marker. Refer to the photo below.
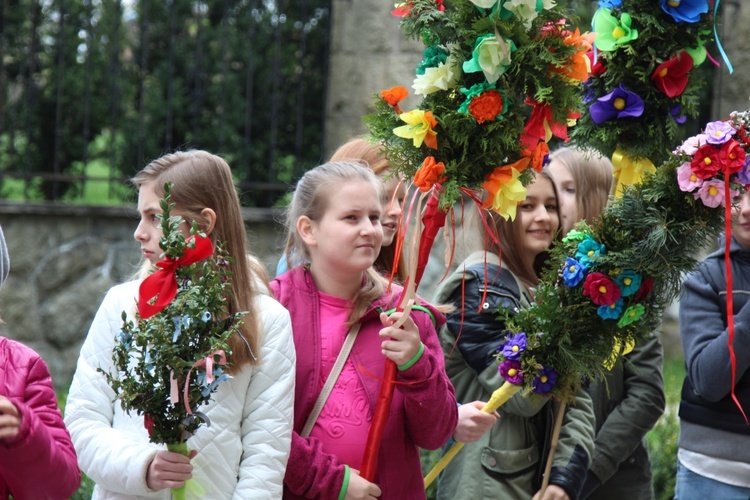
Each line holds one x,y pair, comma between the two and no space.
306,366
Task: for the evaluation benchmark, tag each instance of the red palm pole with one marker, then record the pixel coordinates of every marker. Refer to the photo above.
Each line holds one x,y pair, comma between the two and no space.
432,220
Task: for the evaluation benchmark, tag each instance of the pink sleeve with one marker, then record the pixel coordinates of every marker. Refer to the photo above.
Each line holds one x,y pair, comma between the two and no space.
41,461
312,473
430,402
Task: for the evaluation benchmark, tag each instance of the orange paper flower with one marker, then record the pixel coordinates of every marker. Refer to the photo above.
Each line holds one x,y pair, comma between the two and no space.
429,173
537,155
486,106
579,66
393,96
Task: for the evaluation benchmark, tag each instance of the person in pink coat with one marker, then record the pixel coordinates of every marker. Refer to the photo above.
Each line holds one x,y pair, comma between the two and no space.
37,458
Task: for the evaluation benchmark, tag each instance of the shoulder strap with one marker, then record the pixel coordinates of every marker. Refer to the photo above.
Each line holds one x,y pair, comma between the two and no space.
331,380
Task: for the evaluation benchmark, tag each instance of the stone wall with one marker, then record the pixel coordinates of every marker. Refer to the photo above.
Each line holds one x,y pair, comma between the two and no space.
65,258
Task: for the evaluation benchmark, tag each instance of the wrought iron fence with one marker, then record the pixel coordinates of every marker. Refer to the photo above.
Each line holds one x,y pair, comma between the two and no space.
91,90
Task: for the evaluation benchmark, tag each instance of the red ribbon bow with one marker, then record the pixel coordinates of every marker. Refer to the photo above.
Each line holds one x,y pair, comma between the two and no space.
162,284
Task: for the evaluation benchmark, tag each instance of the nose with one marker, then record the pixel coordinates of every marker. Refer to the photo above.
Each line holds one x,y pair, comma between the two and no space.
541,214
369,227
394,207
139,234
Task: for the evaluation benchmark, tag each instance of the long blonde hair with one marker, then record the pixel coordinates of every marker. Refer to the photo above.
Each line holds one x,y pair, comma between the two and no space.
202,180
310,199
371,154
508,245
592,175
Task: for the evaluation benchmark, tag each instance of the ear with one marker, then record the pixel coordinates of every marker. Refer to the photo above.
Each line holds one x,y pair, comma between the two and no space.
306,230
210,217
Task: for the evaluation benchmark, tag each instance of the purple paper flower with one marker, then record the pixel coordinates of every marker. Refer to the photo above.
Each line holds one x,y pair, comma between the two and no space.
620,103
545,380
510,370
612,311
719,132
743,176
573,272
686,179
688,11
676,112
514,346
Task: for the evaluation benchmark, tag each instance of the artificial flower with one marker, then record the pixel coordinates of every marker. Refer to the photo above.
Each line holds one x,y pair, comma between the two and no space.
620,103
676,112
574,235
541,125
611,311
610,4
698,53
538,155
527,10
686,178
578,67
691,144
514,346
504,191
393,96
706,162
442,77
602,290
688,11
429,173
484,4
511,371
573,272
711,193
631,315
629,170
629,282
612,33
419,128
432,57
733,156
596,63
588,250
404,9
647,284
671,76
545,380
484,102
491,56
719,132
743,176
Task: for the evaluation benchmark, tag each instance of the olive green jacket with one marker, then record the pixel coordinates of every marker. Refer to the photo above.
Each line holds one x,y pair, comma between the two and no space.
506,463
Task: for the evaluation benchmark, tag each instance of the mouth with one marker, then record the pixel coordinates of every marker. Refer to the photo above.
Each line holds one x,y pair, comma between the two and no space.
391,226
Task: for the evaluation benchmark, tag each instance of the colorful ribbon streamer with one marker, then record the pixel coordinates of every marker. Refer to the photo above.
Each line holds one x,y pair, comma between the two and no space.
161,286
718,42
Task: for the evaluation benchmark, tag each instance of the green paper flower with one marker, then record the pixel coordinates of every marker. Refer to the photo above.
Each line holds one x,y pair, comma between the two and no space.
631,315
491,55
611,32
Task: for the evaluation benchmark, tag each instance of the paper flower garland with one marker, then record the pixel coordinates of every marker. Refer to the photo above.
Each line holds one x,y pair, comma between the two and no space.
609,283
499,78
644,83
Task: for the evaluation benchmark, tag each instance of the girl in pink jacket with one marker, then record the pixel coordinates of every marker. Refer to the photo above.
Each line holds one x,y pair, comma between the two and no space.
334,226
37,459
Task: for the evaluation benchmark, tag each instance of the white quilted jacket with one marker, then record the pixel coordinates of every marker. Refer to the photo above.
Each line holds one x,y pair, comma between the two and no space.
243,454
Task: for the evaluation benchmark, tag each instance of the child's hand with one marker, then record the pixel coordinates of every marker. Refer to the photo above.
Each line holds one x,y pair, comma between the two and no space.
553,492
473,422
404,342
360,487
10,421
169,470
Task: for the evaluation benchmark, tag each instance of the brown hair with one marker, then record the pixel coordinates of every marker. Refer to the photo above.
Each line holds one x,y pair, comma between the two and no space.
592,174
202,180
508,234
371,154
310,199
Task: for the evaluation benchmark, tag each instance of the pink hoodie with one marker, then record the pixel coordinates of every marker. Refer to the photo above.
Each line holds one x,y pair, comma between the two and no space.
423,412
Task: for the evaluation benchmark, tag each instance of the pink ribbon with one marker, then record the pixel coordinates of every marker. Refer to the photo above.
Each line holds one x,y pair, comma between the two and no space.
208,362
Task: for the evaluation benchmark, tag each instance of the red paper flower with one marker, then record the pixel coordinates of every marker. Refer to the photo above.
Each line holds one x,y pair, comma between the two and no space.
733,155
598,68
429,173
486,106
404,9
671,77
541,125
707,162
647,284
602,290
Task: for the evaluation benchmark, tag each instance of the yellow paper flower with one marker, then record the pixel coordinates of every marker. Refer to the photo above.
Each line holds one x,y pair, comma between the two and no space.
419,128
504,191
442,77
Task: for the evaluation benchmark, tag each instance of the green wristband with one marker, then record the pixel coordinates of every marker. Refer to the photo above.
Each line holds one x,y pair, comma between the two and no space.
345,484
413,360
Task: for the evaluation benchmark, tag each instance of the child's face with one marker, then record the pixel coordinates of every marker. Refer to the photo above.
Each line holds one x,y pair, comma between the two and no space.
741,229
148,231
566,189
393,206
538,217
346,240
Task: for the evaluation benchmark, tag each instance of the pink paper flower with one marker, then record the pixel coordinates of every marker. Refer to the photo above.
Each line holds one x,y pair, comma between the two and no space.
686,179
711,193
691,145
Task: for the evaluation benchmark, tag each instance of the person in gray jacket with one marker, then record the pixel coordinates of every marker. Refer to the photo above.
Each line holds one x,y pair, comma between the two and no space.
714,446
630,400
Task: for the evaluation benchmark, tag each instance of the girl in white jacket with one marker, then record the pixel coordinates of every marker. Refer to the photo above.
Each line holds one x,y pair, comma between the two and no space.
243,453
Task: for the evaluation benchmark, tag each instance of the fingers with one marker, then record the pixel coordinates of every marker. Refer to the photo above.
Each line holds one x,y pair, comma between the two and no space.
169,470
7,407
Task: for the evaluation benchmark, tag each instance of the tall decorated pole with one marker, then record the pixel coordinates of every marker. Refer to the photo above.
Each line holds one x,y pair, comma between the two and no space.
497,81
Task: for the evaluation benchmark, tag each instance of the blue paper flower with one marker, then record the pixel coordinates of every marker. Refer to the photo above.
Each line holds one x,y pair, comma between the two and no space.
588,250
573,273
610,4
629,281
612,311
688,11
544,381
514,346
620,103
